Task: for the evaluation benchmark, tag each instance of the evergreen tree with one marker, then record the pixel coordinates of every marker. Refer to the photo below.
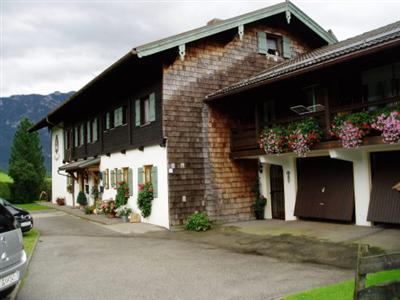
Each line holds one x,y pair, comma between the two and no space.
26,164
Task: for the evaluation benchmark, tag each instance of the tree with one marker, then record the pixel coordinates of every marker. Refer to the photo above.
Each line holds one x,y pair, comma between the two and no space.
26,164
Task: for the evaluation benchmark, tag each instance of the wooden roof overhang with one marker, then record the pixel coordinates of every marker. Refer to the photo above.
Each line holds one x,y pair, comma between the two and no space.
92,163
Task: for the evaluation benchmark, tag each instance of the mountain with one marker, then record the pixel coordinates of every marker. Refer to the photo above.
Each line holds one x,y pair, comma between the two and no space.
34,107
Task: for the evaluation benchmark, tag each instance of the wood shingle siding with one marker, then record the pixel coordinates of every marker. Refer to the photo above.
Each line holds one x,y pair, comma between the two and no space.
198,136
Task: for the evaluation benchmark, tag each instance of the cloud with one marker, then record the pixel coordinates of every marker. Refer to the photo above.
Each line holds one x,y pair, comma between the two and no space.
59,45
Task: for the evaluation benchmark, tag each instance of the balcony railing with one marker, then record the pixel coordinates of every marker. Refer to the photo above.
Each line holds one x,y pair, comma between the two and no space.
245,141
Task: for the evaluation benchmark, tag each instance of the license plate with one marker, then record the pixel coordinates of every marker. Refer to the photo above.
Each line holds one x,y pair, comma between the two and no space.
9,280
24,224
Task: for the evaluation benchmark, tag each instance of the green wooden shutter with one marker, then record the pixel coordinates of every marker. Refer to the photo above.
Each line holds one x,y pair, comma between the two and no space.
112,178
107,179
262,42
94,130
152,107
137,112
130,181
76,136
140,175
287,50
154,181
118,172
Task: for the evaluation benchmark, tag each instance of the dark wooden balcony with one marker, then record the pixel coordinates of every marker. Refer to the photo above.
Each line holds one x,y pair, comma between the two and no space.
245,141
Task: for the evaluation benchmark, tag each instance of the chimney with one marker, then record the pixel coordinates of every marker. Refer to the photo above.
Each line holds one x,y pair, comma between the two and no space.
214,21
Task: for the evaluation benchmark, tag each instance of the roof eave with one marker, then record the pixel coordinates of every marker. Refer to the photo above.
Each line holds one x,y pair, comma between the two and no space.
180,39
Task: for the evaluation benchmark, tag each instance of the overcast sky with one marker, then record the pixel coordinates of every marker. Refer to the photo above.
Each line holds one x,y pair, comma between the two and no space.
51,46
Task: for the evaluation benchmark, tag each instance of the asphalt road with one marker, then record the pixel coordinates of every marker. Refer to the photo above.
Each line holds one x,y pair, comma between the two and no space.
76,259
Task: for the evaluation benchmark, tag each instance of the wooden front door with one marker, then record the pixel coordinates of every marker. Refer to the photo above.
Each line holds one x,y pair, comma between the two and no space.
277,192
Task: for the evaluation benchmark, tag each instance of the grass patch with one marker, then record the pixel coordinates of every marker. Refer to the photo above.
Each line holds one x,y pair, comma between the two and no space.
5,178
344,290
29,240
32,206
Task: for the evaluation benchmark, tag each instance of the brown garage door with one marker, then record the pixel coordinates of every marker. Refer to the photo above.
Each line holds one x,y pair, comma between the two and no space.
385,201
325,189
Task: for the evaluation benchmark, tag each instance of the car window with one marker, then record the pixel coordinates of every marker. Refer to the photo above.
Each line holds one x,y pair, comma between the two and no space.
6,220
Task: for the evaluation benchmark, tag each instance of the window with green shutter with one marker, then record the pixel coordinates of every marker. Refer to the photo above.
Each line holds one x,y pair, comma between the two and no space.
140,175
145,110
112,178
119,116
154,181
152,107
130,181
95,130
262,42
287,48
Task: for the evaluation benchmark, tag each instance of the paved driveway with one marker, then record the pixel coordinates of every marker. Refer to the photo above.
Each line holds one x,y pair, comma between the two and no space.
76,259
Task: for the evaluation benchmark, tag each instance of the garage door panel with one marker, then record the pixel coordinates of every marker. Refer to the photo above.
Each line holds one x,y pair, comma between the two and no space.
325,189
385,201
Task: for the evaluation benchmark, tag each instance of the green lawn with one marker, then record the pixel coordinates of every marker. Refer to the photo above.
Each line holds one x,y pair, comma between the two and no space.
32,206
29,240
5,178
343,290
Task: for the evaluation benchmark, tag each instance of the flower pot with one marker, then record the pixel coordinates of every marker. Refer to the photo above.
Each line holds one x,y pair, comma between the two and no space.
125,219
259,212
111,215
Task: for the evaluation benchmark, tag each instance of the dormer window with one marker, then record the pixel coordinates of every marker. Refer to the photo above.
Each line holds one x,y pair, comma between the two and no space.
272,45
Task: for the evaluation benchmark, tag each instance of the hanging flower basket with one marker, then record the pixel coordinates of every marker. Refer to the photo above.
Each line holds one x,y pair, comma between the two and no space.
303,135
274,140
350,129
389,126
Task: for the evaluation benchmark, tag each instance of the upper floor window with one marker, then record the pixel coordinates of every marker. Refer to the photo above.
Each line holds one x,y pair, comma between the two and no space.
92,130
381,82
115,118
275,45
145,110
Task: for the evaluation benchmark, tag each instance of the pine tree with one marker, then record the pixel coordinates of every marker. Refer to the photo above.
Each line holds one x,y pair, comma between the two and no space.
26,164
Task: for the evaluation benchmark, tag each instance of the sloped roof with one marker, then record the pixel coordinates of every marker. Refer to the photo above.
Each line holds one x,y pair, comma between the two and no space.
376,37
193,35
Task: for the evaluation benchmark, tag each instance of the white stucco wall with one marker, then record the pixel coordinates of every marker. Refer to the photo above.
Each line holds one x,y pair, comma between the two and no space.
154,155
59,182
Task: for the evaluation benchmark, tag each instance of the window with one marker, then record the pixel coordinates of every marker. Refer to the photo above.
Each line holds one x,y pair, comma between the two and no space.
89,132
76,136
95,132
271,44
145,110
381,82
68,138
119,116
109,120
148,174
81,135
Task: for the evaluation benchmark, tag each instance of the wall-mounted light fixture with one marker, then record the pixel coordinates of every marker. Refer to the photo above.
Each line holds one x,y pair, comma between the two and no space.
288,176
260,167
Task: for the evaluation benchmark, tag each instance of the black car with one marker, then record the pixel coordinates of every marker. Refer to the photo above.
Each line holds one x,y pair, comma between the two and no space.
21,216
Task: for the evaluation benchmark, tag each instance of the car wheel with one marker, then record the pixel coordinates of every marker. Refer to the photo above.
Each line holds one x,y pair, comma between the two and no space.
6,292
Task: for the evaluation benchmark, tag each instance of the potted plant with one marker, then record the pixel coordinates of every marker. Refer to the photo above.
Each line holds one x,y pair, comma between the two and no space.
274,140
259,207
122,194
303,135
123,212
108,208
60,201
145,197
351,128
389,126
82,200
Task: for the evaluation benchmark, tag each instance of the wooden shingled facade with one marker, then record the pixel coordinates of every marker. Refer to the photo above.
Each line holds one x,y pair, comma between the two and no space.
202,176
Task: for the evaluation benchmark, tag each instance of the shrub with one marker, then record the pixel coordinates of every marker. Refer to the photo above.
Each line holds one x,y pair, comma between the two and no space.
82,200
198,221
89,210
259,207
122,194
145,197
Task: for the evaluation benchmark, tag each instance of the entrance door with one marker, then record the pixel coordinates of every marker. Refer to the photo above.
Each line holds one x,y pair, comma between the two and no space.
277,192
